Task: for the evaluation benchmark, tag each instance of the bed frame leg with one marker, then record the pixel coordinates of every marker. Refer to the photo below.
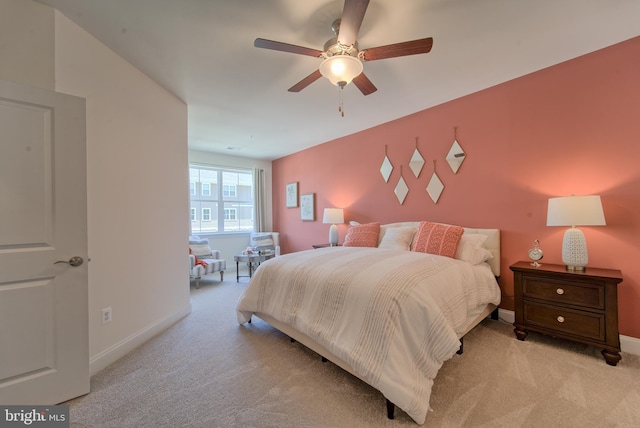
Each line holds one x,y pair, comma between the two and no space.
495,315
461,350
391,408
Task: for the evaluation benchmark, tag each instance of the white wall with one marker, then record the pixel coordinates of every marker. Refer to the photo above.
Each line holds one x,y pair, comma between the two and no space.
137,199
136,171
26,43
234,243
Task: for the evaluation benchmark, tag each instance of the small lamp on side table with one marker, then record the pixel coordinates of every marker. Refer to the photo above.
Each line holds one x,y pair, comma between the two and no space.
575,211
333,216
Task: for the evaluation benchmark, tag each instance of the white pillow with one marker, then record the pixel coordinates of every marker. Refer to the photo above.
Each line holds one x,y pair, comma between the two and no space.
398,238
200,250
263,242
470,249
193,239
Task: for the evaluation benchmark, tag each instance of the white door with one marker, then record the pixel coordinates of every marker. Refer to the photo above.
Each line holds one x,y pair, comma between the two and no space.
44,344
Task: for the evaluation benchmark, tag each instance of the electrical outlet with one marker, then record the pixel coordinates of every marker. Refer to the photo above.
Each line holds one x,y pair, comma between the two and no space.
106,315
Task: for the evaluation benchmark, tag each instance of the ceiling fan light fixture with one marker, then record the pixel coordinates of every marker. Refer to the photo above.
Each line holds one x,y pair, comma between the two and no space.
341,69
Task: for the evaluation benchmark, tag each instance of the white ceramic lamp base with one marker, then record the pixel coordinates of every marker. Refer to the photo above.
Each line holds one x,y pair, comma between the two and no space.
574,249
333,235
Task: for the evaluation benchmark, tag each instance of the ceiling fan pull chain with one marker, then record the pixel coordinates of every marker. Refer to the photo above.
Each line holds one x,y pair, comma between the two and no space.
340,99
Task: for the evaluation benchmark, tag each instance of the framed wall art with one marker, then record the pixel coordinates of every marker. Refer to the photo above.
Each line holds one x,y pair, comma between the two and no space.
292,195
307,207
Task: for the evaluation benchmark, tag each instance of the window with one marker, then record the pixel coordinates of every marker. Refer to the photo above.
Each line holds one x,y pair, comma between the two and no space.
224,198
229,191
206,214
230,214
206,189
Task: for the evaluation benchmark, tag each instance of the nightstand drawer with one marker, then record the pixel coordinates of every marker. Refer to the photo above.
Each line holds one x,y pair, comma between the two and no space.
565,292
578,323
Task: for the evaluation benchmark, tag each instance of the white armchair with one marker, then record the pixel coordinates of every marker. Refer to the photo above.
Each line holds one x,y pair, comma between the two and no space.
203,260
265,241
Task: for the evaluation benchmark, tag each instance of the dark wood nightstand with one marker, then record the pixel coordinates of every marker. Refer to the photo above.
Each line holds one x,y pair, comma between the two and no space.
579,306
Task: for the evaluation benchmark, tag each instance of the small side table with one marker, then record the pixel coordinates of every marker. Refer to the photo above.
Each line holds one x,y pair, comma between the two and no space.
579,306
316,246
252,260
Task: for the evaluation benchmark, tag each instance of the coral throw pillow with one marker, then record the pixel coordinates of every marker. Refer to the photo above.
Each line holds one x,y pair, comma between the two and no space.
440,239
363,235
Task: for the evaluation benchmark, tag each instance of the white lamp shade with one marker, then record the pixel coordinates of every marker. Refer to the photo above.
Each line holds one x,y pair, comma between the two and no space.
333,216
341,68
575,211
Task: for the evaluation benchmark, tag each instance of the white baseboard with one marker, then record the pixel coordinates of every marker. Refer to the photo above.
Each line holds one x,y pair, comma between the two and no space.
506,315
122,348
628,344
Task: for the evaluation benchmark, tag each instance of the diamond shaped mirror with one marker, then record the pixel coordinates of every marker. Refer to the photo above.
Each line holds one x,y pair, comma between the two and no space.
435,187
417,161
456,156
386,167
401,190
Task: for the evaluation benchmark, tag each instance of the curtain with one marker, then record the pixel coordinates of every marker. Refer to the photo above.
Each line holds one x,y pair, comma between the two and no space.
259,186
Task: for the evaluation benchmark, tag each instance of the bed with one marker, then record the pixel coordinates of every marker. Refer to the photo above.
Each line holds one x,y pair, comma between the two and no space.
388,315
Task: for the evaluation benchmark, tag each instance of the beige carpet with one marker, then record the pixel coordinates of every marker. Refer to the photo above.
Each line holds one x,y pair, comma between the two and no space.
208,371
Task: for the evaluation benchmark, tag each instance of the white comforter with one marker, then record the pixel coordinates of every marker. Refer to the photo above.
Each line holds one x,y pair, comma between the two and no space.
394,316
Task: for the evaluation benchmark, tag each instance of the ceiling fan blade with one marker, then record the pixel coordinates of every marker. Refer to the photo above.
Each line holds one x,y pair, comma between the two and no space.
352,16
306,81
286,47
363,83
398,49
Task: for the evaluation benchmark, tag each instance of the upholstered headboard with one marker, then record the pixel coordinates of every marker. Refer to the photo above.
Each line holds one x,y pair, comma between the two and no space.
492,243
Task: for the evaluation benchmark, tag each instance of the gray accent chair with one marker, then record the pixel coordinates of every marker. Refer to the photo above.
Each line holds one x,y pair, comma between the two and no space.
203,260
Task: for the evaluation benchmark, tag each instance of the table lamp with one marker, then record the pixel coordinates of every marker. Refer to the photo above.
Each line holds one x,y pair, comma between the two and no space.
332,216
575,211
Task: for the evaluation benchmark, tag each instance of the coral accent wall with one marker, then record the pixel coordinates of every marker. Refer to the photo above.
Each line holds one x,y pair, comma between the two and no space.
573,128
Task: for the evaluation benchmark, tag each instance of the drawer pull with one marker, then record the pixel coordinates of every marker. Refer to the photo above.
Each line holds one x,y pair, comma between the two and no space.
560,291
560,318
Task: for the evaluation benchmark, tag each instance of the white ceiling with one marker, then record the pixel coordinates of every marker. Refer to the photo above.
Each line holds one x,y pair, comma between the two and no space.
202,51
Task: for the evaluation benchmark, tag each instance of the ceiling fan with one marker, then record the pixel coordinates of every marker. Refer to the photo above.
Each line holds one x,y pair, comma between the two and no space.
342,58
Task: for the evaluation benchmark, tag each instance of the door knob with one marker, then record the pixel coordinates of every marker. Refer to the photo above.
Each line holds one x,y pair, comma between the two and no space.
73,261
